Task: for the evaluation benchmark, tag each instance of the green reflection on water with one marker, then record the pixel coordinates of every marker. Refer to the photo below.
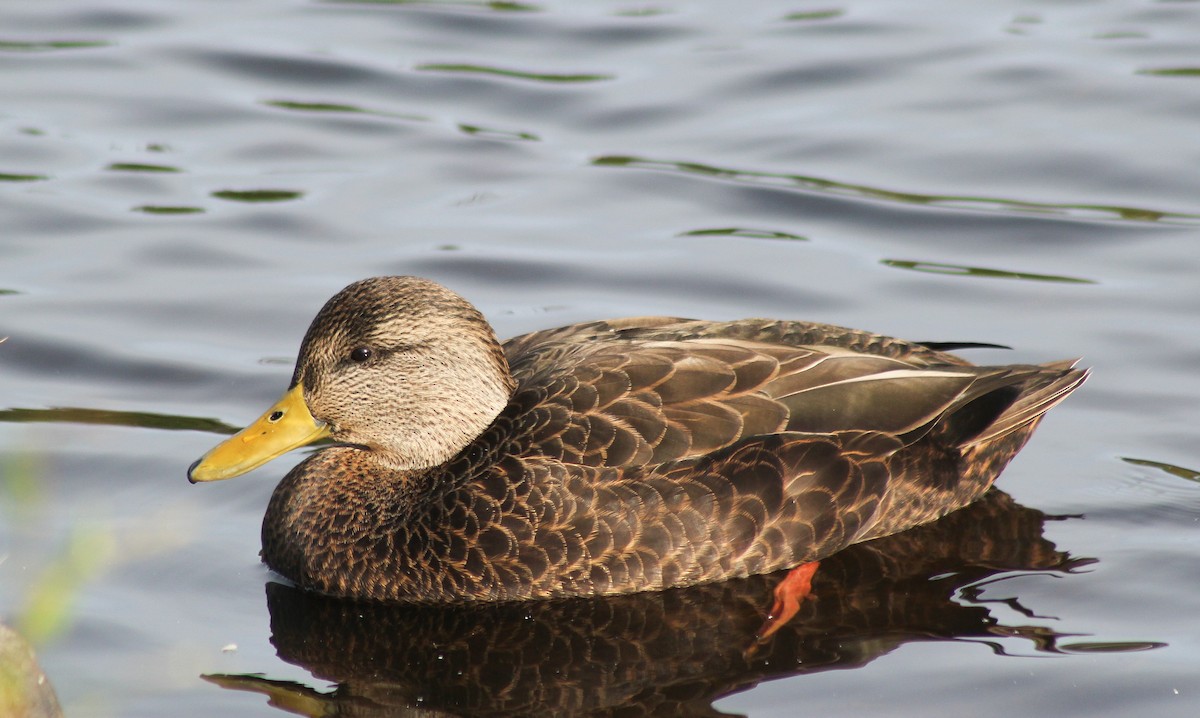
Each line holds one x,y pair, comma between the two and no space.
1120,36
516,74
1172,469
167,209
106,417
315,106
493,5
13,177
487,132
964,271
257,195
136,167
1172,72
814,15
785,180
49,46
642,12
742,232
337,108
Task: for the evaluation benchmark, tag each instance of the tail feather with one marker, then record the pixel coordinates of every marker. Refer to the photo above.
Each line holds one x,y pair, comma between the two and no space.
965,422
1063,365
1041,394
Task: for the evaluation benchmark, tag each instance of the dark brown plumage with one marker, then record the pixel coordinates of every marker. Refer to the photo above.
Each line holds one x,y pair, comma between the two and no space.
670,653
614,457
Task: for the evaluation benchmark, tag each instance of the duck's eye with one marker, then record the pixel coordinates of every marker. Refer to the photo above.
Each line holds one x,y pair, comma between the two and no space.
360,354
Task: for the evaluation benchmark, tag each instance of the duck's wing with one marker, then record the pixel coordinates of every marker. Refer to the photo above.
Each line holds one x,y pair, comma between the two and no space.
647,391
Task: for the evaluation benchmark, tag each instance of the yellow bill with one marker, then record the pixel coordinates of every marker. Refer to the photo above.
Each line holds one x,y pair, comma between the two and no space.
285,426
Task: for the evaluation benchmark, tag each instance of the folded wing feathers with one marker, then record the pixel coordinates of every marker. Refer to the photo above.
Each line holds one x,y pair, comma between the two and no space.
662,389
688,398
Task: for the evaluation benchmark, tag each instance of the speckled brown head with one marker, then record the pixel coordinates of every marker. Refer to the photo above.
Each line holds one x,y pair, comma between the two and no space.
399,365
404,366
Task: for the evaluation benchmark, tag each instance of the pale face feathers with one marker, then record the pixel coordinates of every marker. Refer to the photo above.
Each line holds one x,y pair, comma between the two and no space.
405,367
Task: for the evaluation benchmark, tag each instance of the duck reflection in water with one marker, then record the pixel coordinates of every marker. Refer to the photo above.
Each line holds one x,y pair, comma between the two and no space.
663,653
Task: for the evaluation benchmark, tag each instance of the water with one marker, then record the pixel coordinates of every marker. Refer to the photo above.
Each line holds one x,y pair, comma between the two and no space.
182,185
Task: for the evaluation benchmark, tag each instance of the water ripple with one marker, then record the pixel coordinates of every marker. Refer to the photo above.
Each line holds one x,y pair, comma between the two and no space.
166,209
514,74
297,69
50,45
497,134
817,184
139,167
742,232
258,195
1172,469
812,15
959,270
1172,72
109,417
497,5
339,108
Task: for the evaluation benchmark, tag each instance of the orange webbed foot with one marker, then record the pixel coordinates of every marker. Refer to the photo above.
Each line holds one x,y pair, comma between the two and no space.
789,594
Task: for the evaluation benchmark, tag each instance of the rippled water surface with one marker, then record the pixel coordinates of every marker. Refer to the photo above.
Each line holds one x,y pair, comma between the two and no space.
183,184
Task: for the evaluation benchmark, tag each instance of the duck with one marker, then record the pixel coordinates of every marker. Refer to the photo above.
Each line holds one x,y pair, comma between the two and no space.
614,456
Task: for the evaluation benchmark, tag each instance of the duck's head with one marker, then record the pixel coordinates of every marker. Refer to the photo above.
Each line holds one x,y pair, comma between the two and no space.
400,366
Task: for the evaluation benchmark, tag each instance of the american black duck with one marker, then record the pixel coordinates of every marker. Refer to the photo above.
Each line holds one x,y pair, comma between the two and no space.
614,456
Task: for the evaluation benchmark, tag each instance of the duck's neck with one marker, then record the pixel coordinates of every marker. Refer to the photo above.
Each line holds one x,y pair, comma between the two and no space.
446,431
330,511
343,523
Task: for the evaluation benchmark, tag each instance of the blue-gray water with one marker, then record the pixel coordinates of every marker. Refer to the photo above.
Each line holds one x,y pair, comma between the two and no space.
183,184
